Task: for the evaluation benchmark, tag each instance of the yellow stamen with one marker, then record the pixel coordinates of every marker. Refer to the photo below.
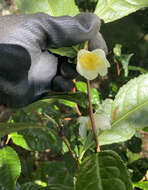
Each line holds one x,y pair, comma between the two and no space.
90,61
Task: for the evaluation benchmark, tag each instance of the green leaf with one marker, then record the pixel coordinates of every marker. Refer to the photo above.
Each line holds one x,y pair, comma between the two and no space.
117,49
142,185
103,171
57,187
53,8
39,104
65,51
57,172
10,168
70,52
135,68
129,111
6,128
82,87
19,140
131,102
30,186
35,139
80,98
124,60
110,10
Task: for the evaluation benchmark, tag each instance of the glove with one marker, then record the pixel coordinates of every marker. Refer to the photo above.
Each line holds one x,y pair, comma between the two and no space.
27,70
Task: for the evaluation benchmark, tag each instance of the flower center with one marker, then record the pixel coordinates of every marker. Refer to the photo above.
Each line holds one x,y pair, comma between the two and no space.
90,61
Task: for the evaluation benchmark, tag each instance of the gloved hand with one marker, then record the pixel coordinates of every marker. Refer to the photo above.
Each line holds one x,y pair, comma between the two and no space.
27,69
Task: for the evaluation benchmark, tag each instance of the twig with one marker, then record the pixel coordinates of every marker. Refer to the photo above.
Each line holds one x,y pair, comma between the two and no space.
69,148
92,118
76,105
118,69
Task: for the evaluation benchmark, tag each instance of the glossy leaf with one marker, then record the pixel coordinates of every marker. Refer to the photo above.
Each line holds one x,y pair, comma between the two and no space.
54,8
57,172
129,111
65,51
6,128
18,139
10,168
70,52
103,171
131,102
80,98
110,10
142,185
35,140
82,87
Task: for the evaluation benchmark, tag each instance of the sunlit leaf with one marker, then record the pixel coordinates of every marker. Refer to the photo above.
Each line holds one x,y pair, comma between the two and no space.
82,87
54,8
142,185
129,111
18,139
10,168
35,140
110,10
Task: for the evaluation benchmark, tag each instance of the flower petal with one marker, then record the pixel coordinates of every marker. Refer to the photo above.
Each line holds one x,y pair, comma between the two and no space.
102,122
83,126
90,64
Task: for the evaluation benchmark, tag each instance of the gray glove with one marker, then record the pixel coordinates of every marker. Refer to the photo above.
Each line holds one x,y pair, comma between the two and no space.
27,69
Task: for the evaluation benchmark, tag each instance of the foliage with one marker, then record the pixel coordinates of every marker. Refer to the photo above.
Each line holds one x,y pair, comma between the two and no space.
37,155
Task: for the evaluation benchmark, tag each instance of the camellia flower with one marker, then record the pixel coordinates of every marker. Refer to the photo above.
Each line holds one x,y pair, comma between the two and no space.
102,123
90,64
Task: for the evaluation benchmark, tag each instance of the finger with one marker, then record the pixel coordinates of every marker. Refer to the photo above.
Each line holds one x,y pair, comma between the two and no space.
61,84
68,70
15,62
65,30
98,42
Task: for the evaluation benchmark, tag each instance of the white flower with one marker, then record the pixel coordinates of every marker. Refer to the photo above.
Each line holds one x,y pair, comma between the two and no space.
90,64
102,122
83,121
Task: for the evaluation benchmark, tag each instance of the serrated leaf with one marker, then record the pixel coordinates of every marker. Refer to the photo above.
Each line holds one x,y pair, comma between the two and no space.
111,10
103,171
129,111
54,8
10,168
35,140
131,103
6,128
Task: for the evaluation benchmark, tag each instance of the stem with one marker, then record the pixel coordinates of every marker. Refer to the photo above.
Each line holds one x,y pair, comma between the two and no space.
92,118
76,105
69,148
